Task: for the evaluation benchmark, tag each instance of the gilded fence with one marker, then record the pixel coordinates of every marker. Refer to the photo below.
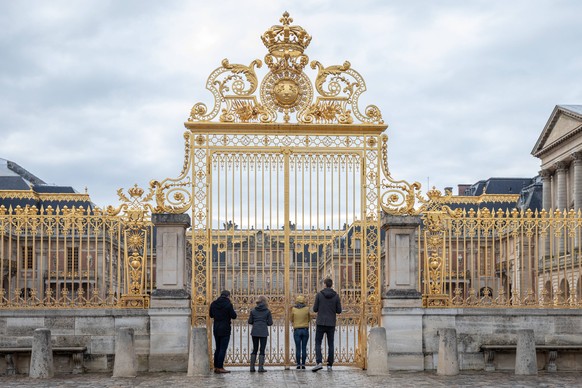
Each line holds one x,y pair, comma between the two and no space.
76,257
483,257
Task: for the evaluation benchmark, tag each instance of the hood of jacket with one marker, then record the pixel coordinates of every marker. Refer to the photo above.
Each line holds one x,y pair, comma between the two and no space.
261,307
328,293
222,303
299,305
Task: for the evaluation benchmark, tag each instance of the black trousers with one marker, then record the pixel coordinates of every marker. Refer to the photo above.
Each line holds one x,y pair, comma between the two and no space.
329,332
220,352
263,341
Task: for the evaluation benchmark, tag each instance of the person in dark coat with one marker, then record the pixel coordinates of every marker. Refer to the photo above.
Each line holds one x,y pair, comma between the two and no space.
327,305
222,311
261,318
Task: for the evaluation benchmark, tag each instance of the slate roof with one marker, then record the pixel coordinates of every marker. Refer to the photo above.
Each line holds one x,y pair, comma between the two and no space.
492,187
19,187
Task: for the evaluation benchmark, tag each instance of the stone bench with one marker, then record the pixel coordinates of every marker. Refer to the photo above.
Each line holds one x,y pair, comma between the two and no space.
489,351
77,353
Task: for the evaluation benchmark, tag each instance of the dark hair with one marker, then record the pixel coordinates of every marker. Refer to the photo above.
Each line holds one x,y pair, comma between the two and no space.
328,282
225,293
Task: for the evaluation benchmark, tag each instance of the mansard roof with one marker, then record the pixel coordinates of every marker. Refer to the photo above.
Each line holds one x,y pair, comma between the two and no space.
564,122
19,187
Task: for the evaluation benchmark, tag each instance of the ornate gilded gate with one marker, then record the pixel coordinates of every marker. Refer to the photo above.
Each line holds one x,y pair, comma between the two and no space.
278,207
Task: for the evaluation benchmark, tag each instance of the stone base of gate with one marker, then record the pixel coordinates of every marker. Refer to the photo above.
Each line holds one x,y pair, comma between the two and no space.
170,325
402,319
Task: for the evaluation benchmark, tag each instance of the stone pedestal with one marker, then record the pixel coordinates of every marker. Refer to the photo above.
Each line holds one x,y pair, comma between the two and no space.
401,267
198,362
41,358
402,312
448,361
171,250
125,364
525,355
170,309
377,352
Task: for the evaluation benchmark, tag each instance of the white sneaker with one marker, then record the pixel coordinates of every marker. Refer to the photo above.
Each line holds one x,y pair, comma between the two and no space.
317,367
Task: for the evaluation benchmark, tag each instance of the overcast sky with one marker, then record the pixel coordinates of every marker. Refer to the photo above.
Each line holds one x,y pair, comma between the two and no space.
94,93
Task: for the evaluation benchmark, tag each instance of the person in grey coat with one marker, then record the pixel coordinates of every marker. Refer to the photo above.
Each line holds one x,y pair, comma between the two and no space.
327,305
261,318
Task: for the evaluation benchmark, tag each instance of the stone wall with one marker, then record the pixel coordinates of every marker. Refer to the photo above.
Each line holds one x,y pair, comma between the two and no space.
413,341
93,328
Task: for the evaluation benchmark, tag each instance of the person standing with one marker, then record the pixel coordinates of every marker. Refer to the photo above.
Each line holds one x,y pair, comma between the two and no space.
261,318
327,305
222,311
300,320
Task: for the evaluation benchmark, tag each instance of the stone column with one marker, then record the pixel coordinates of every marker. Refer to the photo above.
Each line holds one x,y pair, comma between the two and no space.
547,205
561,198
402,301
577,167
170,311
546,176
561,186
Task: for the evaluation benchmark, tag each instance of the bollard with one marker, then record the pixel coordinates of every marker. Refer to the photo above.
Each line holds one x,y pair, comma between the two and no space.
198,361
125,364
525,355
377,352
448,361
41,358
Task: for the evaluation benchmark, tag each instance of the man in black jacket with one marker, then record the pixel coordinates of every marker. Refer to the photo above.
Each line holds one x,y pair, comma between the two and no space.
327,305
222,311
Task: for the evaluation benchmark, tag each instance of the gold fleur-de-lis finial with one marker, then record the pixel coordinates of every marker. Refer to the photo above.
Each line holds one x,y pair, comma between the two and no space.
286,20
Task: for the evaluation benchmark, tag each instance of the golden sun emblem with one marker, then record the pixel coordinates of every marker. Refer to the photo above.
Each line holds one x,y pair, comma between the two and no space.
286,92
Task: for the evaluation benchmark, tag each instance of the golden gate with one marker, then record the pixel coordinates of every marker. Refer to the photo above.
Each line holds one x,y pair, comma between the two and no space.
278,207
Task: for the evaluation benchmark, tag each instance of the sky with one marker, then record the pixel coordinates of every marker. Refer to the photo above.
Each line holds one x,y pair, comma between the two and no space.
95,93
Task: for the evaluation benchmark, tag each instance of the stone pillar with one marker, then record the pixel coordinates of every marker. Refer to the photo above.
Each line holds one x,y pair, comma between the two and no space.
525,356
561,198
561,186
577,170
547,205
377,352
125,364
170,311
401,269
41,358
402,302
448,361
198,361
546,176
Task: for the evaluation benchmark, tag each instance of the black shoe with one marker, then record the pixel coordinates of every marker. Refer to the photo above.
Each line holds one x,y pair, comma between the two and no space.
302,366
298,367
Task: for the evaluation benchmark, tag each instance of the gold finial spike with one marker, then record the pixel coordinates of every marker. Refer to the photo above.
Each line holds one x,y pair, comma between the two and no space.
286,20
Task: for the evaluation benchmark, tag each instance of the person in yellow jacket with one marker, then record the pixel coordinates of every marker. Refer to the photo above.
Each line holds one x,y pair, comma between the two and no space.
300,319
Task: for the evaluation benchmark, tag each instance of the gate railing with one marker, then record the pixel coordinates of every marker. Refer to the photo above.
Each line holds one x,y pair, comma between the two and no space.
76,257
487,258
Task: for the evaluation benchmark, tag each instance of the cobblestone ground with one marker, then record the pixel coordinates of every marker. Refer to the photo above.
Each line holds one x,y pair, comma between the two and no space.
294,378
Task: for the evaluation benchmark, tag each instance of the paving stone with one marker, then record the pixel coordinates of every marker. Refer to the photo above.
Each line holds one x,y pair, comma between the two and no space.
276,377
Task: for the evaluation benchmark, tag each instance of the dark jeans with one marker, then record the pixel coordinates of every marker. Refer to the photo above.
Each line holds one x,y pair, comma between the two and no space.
263,341
220,352
329,332
301,336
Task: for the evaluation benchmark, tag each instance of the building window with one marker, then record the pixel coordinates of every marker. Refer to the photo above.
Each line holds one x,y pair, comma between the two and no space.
357,272
72,258
26,258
